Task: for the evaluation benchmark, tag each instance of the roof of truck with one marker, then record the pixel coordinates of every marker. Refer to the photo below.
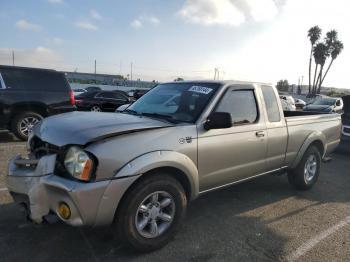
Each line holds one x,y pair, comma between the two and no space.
222,82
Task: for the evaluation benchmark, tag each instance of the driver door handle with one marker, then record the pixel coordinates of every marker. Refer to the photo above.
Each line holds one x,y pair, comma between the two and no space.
260,133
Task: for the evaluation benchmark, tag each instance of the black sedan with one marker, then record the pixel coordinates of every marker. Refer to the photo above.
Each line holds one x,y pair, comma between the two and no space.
326,105
101,101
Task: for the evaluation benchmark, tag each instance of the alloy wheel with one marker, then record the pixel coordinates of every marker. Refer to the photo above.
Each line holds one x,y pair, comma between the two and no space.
310,168
155,214
26,125
96,109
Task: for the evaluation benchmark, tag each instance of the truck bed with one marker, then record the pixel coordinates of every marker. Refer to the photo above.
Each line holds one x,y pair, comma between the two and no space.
302,113
301,125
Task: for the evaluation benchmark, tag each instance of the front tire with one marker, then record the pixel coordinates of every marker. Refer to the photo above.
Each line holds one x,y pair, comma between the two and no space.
152,212
23,124
305,175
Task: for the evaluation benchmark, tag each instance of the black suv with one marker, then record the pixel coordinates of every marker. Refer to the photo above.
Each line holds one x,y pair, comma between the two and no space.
28,94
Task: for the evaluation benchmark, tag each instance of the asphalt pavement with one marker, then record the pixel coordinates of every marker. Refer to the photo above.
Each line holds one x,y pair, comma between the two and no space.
260,220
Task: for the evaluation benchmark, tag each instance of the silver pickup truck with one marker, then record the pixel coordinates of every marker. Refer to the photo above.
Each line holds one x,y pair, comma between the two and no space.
139,169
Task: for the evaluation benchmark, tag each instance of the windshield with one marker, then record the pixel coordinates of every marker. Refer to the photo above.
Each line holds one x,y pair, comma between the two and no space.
181,102
328,102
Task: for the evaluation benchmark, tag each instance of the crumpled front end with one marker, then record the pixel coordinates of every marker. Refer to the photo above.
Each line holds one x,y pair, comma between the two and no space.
35,182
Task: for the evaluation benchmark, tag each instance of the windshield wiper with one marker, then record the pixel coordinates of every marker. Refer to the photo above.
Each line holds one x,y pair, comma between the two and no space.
162,116
130,111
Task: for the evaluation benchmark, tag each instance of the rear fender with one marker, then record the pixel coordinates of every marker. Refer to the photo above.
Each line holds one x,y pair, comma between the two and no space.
316,136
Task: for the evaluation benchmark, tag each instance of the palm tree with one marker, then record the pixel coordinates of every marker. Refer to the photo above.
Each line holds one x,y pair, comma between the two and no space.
314,35
335,49
331,38
320,55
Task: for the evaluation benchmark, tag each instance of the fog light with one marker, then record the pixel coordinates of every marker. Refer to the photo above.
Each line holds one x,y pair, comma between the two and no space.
64,210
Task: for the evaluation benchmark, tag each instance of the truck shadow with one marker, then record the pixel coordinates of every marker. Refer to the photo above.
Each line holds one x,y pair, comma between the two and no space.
222,225
208,233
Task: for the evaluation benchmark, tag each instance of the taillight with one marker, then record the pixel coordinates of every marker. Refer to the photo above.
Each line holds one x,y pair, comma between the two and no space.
72,98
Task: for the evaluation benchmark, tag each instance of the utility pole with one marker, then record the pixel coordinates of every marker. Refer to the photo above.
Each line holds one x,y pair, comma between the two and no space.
131,71
301,85
302,79
95,72
13,58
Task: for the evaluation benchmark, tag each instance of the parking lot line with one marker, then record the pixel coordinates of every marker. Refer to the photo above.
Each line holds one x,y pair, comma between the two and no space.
307,246
3,189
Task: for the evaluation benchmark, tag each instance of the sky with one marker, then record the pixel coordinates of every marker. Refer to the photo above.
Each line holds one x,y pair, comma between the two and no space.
256,40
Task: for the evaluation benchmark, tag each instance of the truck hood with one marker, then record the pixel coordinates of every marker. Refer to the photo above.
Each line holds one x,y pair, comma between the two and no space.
317,107
81,128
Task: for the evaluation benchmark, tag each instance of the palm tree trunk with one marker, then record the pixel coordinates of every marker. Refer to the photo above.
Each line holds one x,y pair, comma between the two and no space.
310,61
329,66
313,85
320,80
314,89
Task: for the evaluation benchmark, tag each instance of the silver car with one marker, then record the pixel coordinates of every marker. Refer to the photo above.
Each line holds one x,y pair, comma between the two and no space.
139,169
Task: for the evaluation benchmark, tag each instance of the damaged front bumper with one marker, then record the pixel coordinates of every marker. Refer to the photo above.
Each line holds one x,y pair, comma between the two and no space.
33,183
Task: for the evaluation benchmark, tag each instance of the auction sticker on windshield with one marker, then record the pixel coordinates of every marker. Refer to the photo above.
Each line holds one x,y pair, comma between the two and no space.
200,89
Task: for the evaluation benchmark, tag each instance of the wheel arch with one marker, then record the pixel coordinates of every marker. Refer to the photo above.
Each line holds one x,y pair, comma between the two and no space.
172,163
38,108
316,139
178,165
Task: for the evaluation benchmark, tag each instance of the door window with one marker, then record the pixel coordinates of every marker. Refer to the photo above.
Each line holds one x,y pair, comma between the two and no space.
104,95
271,104
241,104
118,96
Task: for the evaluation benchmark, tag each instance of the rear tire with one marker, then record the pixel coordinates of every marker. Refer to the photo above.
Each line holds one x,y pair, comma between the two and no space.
140,210
305,175
23,123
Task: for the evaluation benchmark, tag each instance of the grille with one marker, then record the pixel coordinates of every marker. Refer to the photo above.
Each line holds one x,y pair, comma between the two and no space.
40,148
346,130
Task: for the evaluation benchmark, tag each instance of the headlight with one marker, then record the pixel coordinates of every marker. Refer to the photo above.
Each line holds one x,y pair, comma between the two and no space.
78,163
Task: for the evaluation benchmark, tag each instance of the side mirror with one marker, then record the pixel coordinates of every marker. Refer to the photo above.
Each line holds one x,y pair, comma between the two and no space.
218,120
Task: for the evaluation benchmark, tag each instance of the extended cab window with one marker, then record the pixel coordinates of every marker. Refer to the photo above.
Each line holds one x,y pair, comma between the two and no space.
271,104
241,104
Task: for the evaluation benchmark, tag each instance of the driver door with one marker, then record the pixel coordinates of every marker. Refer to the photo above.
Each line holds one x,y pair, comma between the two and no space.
236,153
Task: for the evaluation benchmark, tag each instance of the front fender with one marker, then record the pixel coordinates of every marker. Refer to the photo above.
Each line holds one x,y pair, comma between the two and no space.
313,137
159,159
